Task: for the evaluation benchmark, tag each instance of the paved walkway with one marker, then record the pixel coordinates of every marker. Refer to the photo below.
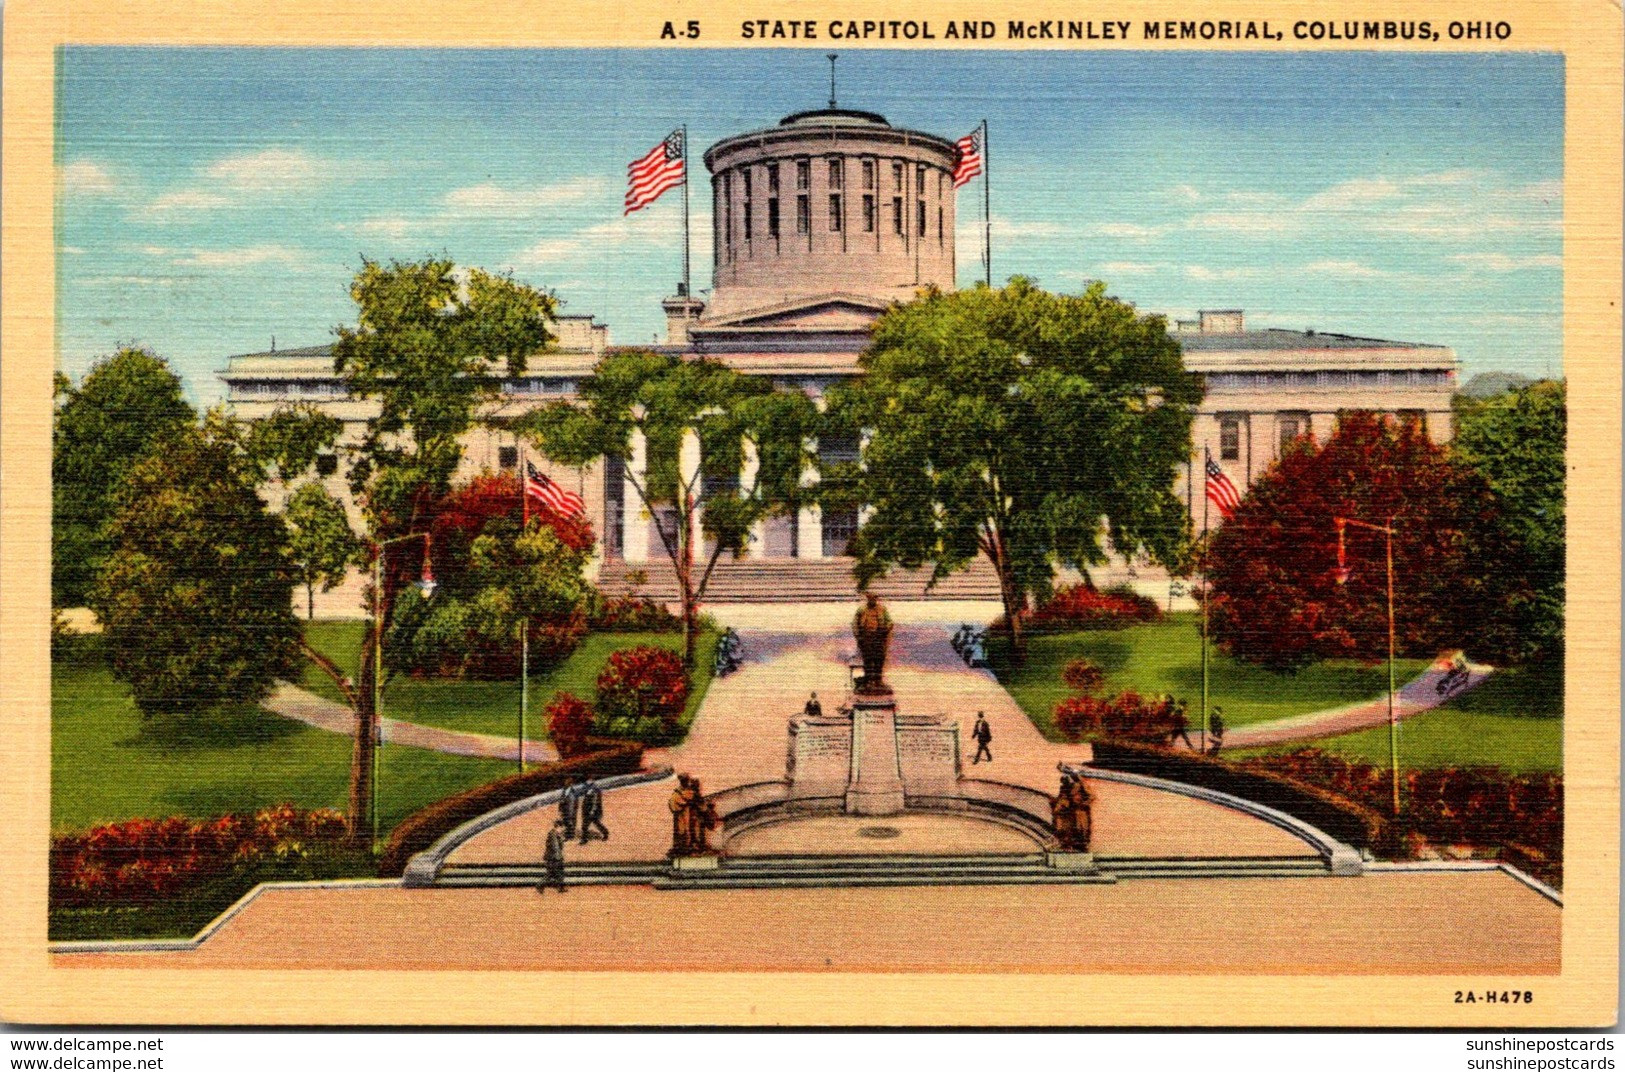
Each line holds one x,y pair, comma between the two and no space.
1419,695
291,701
740,736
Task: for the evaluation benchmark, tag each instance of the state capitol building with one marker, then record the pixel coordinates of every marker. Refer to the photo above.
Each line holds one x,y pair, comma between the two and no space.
820,224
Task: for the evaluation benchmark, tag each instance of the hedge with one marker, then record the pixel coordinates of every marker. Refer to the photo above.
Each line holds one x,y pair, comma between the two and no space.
1343,819
423,828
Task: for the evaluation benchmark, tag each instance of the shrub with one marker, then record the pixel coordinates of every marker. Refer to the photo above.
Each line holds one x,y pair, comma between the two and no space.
1126,717
142,860
632,614
569,720
1082,606
644,683
1083,676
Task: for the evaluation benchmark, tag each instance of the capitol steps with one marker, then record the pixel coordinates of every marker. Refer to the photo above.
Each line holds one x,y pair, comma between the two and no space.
798,581
790,872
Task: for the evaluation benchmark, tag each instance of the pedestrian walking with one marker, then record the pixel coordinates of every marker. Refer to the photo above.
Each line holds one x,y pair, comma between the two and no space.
592,813
1215,731
553,859
569,807
982,734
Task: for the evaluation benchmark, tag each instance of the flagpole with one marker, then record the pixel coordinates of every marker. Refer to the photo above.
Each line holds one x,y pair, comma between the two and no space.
524,620
1207,595
1393,721
987,208
687,292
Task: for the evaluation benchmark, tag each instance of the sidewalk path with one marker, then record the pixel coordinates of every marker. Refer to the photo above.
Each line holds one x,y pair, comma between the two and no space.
291,701
1421,694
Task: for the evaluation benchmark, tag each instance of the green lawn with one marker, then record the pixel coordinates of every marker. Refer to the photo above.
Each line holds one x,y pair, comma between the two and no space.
493,706
105,765
1514,720
1166,656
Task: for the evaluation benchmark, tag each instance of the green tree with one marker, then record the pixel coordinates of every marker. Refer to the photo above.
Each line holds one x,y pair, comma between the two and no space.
1518,439
1036,429
320,540
431,344
127,402
195,591
696,420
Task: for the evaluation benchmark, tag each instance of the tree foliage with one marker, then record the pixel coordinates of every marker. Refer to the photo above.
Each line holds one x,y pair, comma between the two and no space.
320,540
673,405
1037,429
195,592
1517,439
126,403
1459,574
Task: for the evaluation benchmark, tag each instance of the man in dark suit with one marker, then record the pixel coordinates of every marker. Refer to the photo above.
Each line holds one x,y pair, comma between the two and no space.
813,708
569,806
592,813
982,734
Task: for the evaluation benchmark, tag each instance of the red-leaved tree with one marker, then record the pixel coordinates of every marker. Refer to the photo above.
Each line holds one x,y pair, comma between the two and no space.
1457,569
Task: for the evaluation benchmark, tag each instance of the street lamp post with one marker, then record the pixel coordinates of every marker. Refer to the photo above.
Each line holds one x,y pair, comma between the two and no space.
1341,575
427,586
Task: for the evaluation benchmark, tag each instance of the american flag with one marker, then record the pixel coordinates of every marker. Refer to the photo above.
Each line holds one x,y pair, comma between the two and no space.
968,164
655,172
550,495
1220,491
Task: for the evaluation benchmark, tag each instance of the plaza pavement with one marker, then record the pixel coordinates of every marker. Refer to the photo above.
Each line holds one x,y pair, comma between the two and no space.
1384,922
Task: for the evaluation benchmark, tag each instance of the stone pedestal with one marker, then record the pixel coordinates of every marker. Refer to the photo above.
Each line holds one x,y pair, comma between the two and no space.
875,784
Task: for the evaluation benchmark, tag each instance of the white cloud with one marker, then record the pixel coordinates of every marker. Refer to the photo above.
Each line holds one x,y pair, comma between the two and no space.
1128,230
1185,192
1259,223
71,250
237,258
181,202
385,226
1219,275
1111,268
1503,262
1355,194
86,177
269,170
1336,269
489,199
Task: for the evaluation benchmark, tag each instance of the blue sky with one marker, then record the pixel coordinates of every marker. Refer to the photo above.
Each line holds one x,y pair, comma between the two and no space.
212,198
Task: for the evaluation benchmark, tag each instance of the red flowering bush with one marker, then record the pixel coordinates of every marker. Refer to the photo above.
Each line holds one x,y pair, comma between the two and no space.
1082,606
1127,717
1083,676
146,859
1473,806
644,683
632,614
569,720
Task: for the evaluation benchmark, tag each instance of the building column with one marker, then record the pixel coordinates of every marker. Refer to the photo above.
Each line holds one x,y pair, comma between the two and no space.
688,472
750,465
635,515
810,525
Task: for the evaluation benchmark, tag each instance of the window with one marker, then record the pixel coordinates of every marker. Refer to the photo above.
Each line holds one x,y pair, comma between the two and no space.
803,214
897,215
747,221
1292,426
939,225
507,457
745,230
897,175
835,212
869,213
772,217
772,178
727,211
803,174
920,217
919,179
868,174
836,173
1229,439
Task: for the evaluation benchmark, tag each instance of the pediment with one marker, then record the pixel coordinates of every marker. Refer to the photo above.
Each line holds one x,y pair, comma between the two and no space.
824,312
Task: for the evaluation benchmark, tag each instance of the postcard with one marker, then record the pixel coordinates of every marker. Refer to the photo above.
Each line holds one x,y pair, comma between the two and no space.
930,515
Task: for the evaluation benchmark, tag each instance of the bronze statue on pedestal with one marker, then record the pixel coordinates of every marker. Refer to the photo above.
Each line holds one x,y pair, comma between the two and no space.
871,628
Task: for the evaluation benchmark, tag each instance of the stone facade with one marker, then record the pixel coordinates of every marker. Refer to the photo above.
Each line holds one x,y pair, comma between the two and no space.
795,293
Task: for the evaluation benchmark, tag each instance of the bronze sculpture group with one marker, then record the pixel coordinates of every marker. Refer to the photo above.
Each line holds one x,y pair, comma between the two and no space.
1070,812
692,817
